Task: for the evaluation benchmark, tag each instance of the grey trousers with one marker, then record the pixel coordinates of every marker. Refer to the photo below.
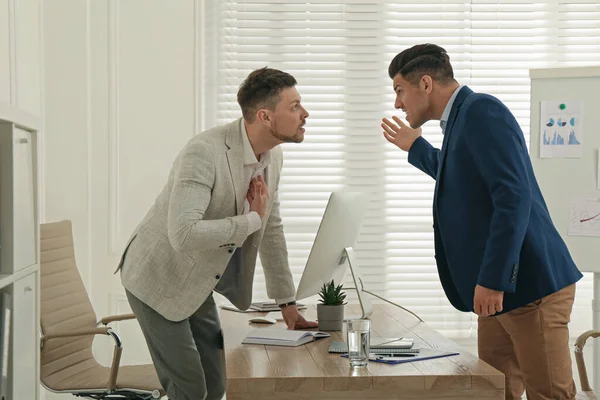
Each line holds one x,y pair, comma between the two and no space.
188,355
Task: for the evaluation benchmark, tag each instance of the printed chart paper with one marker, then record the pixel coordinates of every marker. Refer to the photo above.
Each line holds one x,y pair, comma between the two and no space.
585,215
561,129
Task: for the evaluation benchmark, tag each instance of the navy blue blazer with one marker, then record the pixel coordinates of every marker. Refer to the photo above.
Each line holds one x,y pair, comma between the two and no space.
491,224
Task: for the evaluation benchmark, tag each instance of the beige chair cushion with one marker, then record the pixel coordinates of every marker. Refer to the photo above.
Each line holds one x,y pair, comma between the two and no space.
95,376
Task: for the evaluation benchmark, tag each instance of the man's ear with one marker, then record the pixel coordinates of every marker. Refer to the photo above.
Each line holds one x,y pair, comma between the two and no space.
264,116
426,83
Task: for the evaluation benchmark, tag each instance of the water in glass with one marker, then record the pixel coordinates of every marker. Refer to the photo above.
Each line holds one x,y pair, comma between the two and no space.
358,334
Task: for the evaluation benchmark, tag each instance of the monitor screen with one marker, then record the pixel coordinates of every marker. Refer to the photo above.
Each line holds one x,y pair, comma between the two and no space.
338,230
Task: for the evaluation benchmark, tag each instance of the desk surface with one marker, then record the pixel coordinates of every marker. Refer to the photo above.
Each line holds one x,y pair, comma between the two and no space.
309,372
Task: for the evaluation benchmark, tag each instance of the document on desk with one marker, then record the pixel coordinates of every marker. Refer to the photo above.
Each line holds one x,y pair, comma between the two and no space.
234,308
424,354
282,337
390,345
270,306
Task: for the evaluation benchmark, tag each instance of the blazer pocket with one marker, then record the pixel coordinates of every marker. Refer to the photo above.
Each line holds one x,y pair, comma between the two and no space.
171,267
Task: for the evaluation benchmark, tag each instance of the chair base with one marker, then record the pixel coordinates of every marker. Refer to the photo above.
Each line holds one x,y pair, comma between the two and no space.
120,395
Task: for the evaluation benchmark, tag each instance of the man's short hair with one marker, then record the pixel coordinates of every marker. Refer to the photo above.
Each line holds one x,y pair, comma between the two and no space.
261,89
422,59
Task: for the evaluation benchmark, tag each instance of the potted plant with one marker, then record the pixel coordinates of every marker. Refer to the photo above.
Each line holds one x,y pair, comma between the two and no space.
330,314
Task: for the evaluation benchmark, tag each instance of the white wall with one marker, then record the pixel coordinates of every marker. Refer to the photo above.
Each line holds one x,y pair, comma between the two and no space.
20,56
121,90
5,54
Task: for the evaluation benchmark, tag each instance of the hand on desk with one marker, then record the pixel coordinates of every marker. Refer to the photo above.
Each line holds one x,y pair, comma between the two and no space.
294,320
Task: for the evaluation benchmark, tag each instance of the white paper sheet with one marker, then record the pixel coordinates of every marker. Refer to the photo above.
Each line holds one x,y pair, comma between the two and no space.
561,129
598,175
585,215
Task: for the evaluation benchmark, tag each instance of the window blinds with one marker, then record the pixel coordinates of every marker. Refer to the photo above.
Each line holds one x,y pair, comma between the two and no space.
339,51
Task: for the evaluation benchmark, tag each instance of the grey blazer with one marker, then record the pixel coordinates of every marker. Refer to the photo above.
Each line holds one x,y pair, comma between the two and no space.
183,247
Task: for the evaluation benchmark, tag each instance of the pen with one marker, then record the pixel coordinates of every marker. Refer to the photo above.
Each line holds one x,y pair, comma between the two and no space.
396,355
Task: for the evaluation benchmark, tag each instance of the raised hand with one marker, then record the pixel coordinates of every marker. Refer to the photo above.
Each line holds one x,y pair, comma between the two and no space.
399,134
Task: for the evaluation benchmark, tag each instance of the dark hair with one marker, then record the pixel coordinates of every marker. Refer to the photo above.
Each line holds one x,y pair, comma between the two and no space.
261,89
422,59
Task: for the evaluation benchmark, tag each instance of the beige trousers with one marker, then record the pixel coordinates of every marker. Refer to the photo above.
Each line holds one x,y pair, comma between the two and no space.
530,345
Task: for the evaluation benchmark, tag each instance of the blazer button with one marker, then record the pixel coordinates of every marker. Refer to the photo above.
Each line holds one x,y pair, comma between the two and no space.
230,250
217,276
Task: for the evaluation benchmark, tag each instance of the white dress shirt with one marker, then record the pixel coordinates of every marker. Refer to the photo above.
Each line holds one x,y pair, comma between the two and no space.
252,169
446,113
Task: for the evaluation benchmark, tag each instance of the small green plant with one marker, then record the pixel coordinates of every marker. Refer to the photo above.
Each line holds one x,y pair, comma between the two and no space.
332,295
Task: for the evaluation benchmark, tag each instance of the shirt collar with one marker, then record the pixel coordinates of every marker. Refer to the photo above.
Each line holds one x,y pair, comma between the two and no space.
448,108
249,157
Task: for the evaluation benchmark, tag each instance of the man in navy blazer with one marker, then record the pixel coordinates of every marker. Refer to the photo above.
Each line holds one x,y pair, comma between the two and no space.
497,251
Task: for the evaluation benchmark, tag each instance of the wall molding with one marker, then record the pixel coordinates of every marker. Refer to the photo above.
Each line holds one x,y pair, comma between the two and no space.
88,128
41,160
12,51
117,300
198,46
42,118
118,304
113,127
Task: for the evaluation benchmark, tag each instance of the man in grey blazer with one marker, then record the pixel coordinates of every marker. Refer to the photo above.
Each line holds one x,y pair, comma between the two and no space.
218,210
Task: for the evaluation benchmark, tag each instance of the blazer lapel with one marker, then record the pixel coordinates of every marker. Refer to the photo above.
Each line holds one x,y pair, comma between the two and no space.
235,158
460,97
268,174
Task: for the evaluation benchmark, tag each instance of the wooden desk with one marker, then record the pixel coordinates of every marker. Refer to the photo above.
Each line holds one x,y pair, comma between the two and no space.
258,372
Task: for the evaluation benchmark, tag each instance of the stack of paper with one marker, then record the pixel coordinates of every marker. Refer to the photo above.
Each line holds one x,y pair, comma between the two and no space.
282,337
270,306
380,346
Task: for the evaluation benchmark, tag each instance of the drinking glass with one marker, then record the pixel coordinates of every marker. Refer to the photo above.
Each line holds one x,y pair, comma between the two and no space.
358,336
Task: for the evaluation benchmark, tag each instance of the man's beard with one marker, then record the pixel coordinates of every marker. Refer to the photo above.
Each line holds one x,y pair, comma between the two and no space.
297,138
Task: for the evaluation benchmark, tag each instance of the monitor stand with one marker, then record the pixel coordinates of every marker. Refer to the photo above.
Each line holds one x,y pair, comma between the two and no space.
365,302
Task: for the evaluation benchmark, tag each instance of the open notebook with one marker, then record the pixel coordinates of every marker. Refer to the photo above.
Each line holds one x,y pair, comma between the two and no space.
282,337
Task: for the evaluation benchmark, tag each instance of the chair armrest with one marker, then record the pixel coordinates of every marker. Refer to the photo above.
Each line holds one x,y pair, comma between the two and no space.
105,330
583,378
76,332
115,318
584,337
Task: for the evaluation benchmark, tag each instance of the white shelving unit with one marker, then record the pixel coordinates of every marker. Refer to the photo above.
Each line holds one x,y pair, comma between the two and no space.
19,255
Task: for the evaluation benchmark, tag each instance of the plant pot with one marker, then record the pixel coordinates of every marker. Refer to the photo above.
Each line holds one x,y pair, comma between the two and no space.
330,318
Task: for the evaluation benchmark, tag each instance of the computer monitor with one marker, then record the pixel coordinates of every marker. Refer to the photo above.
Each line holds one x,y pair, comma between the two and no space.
332,248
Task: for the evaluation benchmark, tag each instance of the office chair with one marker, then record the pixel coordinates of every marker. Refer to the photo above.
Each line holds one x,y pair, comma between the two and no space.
587,392
68,327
